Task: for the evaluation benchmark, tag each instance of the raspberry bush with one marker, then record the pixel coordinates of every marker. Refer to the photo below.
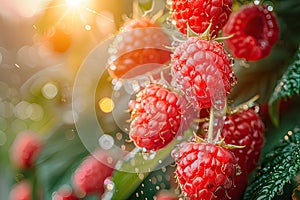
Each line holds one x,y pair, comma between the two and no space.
150,99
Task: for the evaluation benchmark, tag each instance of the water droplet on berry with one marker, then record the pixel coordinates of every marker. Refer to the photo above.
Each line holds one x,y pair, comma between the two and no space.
148,155
118,85
169,20
109,186
231,61
170,2
270,7
244,63
256,2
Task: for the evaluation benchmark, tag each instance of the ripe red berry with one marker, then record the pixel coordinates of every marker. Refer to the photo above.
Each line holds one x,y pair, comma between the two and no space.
204,170
240,185
157,117
244,128
90,175
198,14
202,69
25,149
255,30
21,191
140,47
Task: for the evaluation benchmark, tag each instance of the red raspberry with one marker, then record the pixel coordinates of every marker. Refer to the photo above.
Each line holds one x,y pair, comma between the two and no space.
198,14
201,70
25,150
21,191
157,116
139,48
204,170
244,128
64,194
90,175
255,30
240,185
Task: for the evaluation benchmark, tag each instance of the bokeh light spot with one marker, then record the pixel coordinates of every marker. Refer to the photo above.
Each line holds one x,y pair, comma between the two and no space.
23,110
106,105
49,91
106,142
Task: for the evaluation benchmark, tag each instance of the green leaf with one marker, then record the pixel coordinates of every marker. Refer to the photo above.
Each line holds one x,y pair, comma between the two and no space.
278,169
61,155
289,84
126,183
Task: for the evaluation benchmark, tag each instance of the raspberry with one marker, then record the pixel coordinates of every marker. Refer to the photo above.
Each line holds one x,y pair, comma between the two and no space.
21,191
64,194
90,175
157,114
244,128
204,170
201,70
139,48
198,14
25,150
255,30
240,184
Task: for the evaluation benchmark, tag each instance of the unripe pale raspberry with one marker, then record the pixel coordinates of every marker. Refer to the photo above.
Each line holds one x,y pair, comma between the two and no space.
21,191
25,149
90,175
64,194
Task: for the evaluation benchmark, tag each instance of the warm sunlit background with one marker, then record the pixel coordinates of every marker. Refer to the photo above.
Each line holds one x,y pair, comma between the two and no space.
42,45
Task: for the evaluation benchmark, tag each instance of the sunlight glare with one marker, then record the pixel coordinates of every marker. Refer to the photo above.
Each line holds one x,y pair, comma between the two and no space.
74,3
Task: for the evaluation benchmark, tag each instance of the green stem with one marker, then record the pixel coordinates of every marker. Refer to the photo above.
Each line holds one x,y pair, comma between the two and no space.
34,184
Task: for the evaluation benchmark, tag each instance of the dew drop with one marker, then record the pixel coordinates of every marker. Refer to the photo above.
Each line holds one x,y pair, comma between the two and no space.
270,8
256,2
148,155
118,85
109,186
141,176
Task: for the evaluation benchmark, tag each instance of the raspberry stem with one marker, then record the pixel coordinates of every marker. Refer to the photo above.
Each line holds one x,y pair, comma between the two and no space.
244,106
216,118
